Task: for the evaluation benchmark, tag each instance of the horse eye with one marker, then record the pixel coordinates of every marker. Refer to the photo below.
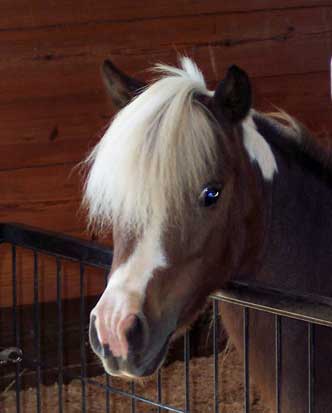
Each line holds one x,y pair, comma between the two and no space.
209,196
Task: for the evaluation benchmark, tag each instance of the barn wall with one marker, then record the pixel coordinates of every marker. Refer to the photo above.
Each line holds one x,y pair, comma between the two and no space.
53,107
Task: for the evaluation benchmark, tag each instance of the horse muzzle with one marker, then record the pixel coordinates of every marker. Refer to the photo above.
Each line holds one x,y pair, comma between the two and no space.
143,348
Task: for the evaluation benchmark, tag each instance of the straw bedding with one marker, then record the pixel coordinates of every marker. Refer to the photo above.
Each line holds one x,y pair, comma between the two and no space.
201,391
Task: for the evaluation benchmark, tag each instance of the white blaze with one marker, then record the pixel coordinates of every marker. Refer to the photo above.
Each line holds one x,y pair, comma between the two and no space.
125,291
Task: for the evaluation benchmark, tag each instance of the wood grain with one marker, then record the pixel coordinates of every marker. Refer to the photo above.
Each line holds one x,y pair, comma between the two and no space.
22,14
67,61
27,141
53,108
51,131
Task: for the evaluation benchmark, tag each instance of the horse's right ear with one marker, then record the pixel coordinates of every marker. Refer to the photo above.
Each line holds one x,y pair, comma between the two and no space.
233,94
122,88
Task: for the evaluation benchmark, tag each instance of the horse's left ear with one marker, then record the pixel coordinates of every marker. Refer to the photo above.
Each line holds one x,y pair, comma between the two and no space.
121,87
233,94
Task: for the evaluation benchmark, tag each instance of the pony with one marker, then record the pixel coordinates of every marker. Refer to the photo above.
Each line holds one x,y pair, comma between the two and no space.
198,189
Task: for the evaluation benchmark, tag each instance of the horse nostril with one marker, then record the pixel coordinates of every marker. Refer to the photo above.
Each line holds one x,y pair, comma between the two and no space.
105,351
93,335
138,334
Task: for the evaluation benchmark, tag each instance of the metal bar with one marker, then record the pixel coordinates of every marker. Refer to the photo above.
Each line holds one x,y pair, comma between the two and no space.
311,368
246,359
133,400
16,329
37,329
82,338
60,334
107,377
310,308
56,244
187,371
215,354
107,395
136,397
159,389
277,321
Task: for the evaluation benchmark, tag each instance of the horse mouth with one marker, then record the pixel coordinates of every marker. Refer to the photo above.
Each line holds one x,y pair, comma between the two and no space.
158,360
135,368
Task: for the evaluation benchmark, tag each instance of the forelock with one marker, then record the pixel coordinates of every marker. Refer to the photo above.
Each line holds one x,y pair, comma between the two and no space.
158,149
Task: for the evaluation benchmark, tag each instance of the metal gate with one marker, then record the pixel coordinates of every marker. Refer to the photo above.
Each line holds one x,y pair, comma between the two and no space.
85,254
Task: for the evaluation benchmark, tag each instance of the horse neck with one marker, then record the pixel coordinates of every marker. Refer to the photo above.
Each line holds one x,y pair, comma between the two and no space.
298,250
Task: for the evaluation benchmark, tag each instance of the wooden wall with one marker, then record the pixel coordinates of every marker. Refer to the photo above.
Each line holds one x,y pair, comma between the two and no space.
53,107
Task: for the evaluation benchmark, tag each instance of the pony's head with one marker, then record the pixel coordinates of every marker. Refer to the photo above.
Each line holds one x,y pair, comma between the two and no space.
177,178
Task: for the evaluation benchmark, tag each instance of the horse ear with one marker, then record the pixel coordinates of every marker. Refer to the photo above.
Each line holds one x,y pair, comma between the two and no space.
233,94
122,88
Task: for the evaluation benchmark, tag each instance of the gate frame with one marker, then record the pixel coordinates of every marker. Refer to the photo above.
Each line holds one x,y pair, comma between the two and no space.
309,308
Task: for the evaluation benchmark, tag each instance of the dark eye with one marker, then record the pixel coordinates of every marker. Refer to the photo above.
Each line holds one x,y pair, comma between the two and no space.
209,196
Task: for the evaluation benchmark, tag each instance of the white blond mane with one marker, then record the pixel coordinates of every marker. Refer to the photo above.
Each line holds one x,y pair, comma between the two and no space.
159,147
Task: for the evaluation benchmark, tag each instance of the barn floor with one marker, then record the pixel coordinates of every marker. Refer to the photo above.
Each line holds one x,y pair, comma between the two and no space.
201,385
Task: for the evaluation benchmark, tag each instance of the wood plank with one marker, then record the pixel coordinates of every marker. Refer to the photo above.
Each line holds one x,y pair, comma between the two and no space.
18,14
265,43
34,154
49,132
306,97
47,197
38,120
63,216
26,141
47,184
